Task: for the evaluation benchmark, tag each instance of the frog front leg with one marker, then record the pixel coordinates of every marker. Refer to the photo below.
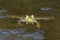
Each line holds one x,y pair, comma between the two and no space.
38,24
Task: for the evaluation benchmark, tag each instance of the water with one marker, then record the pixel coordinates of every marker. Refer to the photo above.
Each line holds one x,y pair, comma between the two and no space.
45,8
2,17
20,33
2,11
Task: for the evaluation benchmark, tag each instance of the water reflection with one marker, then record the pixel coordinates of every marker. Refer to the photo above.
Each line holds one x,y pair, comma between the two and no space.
45,8
2,17
2,11
20,33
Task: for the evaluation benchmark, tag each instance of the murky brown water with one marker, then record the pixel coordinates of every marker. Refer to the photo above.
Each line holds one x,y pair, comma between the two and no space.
38,8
